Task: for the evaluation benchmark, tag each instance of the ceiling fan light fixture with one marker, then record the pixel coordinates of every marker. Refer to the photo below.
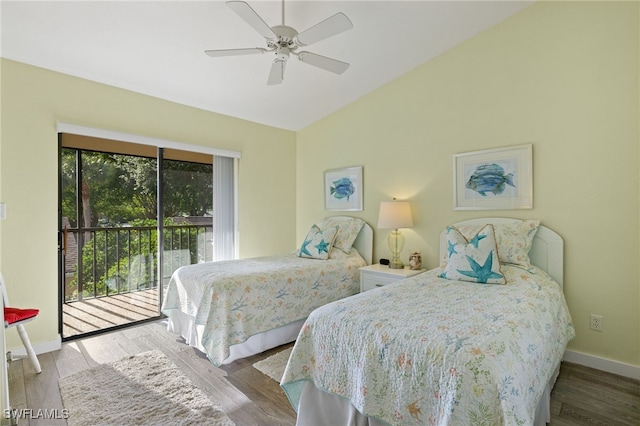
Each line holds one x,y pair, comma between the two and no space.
283,40
282,53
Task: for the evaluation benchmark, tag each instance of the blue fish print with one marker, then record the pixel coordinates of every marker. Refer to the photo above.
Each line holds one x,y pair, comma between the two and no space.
489,178
342,188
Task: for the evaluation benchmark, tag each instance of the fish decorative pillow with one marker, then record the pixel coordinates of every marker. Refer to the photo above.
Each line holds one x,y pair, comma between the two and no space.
475,259
318,243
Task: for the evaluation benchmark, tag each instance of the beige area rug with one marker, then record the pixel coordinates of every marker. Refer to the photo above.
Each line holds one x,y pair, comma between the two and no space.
274,365
145,389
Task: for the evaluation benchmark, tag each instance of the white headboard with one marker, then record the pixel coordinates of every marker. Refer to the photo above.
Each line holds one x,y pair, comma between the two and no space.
364,240
547,251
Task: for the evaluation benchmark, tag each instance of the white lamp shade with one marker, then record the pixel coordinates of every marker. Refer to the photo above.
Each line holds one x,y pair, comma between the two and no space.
394,215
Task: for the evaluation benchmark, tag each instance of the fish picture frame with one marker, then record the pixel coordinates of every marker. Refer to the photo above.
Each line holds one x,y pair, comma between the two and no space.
493,179
343,189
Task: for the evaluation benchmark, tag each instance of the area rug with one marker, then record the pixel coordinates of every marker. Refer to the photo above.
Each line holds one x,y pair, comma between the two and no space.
274,365
145,389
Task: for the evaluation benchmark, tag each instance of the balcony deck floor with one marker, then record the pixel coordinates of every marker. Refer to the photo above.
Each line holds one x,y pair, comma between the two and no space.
100,313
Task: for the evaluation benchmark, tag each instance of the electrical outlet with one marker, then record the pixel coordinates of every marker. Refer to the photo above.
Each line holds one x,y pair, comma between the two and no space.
597,322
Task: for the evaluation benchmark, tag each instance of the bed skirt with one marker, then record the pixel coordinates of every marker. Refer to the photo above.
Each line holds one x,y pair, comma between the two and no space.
318,405
184,325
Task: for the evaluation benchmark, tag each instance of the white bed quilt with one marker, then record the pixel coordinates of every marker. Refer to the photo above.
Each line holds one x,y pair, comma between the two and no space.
237,299
431,351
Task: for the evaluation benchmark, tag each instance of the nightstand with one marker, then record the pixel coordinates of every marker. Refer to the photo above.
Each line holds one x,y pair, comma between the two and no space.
377,275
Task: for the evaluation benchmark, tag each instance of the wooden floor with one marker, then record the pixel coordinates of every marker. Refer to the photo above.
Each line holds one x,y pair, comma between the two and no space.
100,313
582,396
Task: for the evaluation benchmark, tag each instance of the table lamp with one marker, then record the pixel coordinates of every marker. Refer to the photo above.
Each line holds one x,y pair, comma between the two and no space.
393,215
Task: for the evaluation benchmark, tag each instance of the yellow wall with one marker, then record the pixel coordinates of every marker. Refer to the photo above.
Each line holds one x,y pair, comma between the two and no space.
33,100
560,75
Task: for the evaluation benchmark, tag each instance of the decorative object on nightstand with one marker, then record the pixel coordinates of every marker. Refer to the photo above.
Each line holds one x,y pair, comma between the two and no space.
374,276
415,260
394,215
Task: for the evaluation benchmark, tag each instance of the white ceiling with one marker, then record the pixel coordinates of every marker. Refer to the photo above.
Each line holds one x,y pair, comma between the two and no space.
156,48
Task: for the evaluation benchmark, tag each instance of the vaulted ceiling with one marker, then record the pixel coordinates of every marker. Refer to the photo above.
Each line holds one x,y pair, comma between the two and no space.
157,48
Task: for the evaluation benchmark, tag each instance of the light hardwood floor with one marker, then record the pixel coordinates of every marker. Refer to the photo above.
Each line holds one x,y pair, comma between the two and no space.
582,396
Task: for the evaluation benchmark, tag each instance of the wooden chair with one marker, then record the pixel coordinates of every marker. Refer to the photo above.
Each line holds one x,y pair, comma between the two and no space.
15,317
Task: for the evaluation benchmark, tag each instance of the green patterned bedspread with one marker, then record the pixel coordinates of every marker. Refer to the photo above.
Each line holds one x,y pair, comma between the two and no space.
431,351
237,299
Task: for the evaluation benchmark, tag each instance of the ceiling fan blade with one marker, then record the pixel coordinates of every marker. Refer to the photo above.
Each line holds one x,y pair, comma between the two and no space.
234,52
276,75
323,62
329,27
250,16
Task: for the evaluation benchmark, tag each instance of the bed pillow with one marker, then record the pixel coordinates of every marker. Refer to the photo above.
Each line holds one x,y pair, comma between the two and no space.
514,241
348,230
317,244
339,254
475,259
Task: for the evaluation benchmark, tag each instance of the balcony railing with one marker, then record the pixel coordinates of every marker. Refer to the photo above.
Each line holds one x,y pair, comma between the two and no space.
105,261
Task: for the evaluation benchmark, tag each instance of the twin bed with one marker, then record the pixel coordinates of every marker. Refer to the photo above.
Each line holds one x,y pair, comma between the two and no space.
437,348
234,309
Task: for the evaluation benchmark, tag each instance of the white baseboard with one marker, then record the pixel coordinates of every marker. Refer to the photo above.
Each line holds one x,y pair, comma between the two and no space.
39,348
610,366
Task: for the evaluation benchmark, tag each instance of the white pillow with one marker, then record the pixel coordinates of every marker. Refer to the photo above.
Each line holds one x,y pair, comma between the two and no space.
317,244
475,259
348,230
339,254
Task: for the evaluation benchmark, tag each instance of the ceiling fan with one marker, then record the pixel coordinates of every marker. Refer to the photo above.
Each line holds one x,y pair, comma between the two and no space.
283,41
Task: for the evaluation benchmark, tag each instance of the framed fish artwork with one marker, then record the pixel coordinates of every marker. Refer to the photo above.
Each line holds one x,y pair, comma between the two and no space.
343,189
493,179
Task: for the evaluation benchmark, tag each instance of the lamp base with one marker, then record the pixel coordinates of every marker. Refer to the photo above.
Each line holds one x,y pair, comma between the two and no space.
396,242
396,264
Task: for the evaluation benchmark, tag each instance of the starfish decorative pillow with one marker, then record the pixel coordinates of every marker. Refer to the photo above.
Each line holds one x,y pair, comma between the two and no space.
318,242
474,260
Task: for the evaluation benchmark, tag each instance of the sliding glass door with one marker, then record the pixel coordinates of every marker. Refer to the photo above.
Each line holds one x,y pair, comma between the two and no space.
113,208
187,206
